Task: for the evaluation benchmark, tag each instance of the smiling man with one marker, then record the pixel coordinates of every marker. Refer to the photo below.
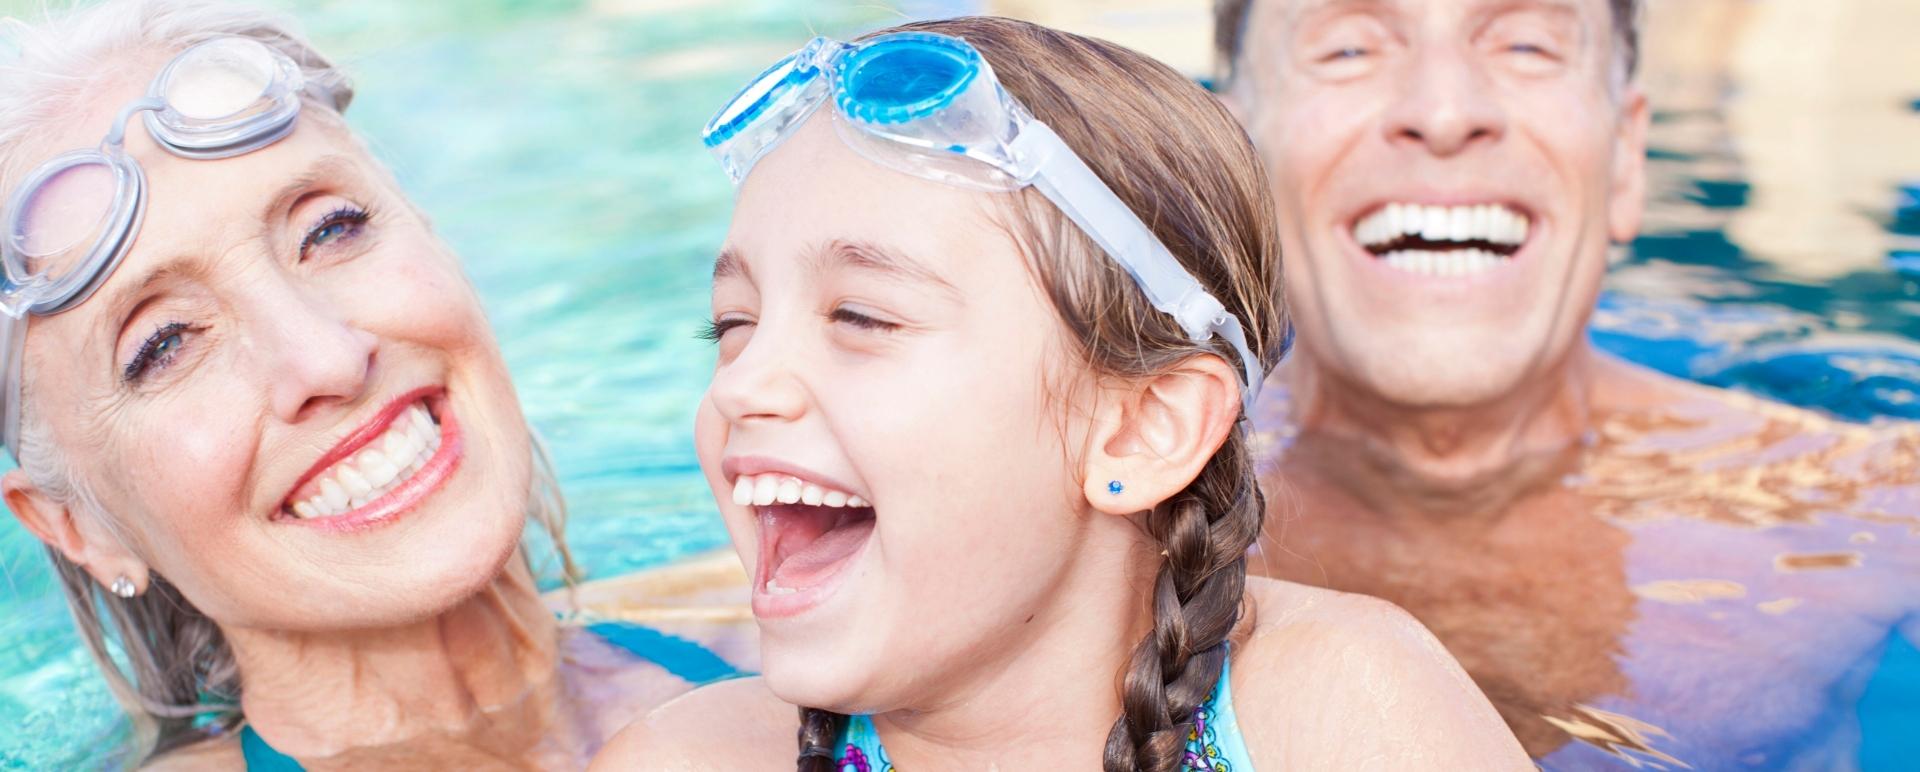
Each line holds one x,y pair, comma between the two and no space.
1636,569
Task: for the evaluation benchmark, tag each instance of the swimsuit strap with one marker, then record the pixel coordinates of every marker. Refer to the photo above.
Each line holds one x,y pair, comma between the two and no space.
1214,745
685,659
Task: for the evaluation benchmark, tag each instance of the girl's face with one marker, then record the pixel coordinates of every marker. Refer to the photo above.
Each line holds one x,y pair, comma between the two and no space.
286,394
882,342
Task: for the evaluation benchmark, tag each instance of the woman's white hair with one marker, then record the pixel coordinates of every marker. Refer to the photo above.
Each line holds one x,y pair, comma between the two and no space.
180,684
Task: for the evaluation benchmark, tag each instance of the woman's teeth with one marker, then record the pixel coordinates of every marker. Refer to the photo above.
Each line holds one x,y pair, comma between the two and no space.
765,489
377,469
1443,241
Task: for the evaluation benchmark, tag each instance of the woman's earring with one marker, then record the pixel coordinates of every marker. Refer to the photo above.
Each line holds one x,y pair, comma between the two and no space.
1114,487
123,587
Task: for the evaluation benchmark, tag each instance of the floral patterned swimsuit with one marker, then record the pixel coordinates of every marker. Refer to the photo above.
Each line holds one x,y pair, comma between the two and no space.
1215,745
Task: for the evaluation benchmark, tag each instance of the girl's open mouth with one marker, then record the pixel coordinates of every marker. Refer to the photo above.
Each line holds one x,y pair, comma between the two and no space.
809,535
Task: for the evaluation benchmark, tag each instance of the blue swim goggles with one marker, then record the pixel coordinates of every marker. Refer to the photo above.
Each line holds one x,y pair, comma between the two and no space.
928,105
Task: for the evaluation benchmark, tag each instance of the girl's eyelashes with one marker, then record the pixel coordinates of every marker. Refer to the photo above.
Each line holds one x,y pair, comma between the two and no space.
158,351
845,315
341,224
715,329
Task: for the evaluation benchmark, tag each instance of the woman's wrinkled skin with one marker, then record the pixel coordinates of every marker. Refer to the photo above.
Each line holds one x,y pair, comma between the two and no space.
281,299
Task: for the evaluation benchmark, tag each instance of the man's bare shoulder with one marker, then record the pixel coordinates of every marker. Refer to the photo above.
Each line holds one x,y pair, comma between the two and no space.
735,724
1737,457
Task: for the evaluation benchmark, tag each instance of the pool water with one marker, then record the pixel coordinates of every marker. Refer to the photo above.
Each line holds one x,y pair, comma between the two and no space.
555,144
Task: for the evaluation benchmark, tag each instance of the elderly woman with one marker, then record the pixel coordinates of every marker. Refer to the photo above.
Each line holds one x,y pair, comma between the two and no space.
262,425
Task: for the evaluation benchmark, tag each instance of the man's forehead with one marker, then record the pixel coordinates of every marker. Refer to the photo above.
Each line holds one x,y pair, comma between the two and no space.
1295,9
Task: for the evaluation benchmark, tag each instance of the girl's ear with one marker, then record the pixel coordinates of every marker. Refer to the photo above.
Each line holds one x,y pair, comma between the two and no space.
88,544
1153,441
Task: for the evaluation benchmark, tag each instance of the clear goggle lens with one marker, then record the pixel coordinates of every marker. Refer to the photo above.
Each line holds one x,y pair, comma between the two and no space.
66,211
221,79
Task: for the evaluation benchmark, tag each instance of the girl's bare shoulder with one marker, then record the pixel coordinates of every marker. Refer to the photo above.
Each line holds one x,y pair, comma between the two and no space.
735,724
1329,679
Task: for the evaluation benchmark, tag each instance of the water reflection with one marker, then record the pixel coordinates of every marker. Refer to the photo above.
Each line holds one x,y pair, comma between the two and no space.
1706,583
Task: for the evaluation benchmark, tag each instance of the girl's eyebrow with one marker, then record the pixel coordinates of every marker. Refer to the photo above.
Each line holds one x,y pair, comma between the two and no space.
876,258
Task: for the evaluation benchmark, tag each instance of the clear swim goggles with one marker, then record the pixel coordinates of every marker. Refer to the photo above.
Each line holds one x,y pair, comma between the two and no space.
928,105
72,220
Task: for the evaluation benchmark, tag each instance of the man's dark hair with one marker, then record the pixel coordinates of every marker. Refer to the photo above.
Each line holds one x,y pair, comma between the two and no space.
1230,26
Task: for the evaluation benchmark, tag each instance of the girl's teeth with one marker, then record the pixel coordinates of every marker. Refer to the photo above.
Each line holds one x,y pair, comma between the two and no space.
775,589
305,511
767,489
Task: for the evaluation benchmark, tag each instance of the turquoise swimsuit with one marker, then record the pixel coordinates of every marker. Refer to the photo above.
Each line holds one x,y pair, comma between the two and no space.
685,659
1214,745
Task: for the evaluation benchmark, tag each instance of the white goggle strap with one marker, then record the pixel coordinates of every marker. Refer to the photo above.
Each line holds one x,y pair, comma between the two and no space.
13,344
1049,164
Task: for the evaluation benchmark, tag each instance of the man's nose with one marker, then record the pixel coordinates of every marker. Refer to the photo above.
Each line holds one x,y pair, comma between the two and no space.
1446,103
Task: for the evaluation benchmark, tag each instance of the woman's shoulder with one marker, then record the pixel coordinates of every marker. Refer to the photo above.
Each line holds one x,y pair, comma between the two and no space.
736,724
217,754
1328,679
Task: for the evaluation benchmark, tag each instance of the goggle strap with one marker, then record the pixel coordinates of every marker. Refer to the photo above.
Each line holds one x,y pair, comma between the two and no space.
117,135
15,339
1071,185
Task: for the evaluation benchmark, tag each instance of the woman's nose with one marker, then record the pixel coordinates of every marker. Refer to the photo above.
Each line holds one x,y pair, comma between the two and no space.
315,356
759,384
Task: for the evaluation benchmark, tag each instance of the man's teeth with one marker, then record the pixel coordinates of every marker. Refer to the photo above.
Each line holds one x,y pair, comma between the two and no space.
1490,223
765,489
1453,262
378,468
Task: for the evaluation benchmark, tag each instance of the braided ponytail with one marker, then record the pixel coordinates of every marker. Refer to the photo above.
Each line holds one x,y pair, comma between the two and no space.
1205,532
819,733
1197,183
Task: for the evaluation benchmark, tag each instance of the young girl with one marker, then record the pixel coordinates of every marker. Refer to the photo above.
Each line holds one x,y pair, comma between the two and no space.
975,429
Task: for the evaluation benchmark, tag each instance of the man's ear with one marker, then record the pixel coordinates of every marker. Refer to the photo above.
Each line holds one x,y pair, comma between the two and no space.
1152,442
1627,202
86,543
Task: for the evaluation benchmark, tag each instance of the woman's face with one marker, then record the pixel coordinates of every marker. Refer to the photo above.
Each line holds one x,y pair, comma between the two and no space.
286,395
881,339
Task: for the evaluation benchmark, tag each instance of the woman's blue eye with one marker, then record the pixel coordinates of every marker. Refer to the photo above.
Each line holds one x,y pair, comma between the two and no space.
339,223
159,350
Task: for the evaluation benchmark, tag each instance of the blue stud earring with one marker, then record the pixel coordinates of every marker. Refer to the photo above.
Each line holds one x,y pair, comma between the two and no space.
1114,487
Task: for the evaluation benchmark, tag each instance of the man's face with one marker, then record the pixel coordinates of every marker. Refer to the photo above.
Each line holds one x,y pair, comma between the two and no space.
1449,174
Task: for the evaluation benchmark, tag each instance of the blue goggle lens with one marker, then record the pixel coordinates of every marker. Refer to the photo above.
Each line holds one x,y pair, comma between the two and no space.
906,78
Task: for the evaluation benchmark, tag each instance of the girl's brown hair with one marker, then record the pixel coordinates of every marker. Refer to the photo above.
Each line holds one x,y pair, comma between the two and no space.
1181,162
